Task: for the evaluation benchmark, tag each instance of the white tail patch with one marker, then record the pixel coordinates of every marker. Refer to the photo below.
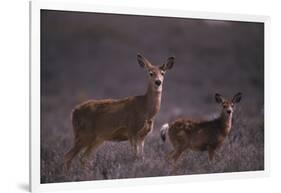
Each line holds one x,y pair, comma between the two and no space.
164,130
165,126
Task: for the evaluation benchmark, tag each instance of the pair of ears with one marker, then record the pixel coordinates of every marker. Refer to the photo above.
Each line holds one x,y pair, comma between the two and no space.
144,63
235,99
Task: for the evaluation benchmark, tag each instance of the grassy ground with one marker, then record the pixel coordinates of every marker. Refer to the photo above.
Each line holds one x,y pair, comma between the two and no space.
87,56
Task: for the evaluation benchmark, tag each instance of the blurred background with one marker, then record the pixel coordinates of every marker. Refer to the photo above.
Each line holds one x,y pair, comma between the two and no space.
93,56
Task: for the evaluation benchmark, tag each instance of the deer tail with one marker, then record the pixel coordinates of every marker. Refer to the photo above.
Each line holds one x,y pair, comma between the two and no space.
163,131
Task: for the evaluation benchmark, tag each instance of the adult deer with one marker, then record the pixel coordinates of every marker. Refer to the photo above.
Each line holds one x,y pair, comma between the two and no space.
131,118
201,135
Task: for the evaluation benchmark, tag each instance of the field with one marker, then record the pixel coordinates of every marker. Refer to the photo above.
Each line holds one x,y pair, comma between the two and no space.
93,56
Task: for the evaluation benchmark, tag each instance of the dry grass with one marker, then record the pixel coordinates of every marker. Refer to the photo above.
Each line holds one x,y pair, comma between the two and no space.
242,151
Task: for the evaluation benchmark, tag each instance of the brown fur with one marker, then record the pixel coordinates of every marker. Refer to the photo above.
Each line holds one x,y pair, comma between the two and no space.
131,118
201,135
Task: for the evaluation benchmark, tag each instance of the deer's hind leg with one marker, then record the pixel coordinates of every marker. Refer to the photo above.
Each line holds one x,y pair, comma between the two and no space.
179,147
173,157
89,149
179,142
175,154
78,146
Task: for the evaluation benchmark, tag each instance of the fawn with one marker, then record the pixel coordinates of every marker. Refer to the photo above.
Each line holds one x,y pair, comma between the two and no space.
131,118
207,135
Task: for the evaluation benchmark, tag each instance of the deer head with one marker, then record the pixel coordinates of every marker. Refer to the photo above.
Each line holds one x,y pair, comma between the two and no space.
155,73
228,105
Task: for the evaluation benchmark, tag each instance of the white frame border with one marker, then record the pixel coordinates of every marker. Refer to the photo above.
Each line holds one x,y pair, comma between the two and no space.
34,99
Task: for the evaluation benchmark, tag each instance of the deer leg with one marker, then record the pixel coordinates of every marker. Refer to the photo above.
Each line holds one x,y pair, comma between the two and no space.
82,158
71,154
211,153
133,143
150,125
177,155
212,149
88,151
173,156
147,128
136,142
169,156
138,153
140,149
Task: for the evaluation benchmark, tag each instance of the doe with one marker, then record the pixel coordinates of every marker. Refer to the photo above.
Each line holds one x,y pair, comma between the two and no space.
207,135
131,118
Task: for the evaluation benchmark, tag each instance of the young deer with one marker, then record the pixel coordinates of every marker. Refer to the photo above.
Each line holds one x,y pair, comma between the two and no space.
201,135
131,118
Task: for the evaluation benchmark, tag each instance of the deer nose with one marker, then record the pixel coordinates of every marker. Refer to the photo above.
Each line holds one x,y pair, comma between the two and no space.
228,111
158,82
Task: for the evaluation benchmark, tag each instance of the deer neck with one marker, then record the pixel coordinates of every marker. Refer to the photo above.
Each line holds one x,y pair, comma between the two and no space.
226,122
152,101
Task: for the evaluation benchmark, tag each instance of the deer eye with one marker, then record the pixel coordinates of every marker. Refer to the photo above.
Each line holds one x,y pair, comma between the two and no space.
162,73
151,73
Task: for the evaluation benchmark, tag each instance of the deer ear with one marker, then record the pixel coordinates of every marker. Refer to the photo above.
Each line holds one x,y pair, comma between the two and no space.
169,64
237,98
218,98
143,62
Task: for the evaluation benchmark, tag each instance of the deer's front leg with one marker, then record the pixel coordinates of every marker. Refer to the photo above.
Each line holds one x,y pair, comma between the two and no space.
211,150
140,149
211,153
148,126
134,144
